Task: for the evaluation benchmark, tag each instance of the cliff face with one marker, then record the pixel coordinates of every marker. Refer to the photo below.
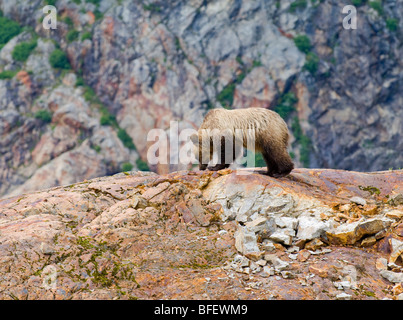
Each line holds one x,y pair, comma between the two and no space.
317,234
134,66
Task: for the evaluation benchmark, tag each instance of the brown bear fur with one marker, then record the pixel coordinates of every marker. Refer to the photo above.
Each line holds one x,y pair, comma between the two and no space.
271,138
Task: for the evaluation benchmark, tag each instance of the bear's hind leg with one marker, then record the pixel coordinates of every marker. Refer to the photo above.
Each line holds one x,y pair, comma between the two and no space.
279,162
285,163
272,168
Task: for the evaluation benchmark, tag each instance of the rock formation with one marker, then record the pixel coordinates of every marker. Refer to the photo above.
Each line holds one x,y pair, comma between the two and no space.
316,234
134,66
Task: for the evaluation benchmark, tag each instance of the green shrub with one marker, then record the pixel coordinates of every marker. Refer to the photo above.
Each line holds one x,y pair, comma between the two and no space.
151,7
304,142
286,105
22,50
142,165
86,35
72,35
98,14
226,96
256,63
299,4
8,74
51,2
58,59
107,119
311,63
44,115
126,139
127,166
357,2
96,148
259,160
79,81
89,94
303,43
377,6
8,29
68,21
392,24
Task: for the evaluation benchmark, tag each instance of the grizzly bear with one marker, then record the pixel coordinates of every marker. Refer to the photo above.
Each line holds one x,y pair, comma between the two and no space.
221,128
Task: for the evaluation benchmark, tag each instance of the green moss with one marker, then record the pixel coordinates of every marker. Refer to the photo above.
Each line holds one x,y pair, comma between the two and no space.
303,43
22,50
369,293
372,190
8,29
107,275
58,59
85,243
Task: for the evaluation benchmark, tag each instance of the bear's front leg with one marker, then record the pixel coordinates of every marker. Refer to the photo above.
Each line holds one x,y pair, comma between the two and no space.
202,167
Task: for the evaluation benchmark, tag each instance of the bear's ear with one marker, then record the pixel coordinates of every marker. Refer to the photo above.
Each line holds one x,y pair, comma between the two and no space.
194,138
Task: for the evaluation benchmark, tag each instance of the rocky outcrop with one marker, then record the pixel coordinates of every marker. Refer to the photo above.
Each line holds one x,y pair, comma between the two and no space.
140,65
316,234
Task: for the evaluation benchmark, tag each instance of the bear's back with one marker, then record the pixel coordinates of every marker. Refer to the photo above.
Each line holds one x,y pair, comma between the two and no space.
260,119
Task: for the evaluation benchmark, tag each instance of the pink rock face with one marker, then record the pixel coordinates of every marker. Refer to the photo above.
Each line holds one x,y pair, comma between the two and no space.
136,67
152,236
